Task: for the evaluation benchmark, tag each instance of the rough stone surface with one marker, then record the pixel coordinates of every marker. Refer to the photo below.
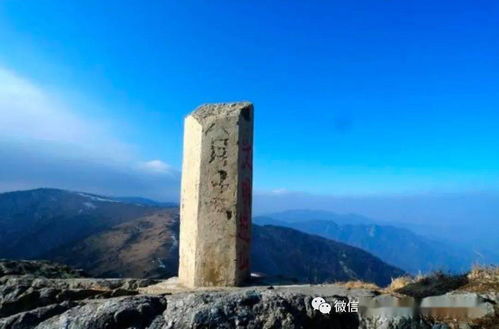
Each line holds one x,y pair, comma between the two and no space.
250,308
127,312
26,293
38,268
28,302
31,318
215,215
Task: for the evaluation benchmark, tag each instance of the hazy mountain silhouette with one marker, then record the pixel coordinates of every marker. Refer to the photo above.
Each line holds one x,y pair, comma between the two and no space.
398,246
109,237
299,215
36,221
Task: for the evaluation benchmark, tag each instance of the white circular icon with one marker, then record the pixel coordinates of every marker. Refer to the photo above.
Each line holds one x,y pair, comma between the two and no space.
316,302
325,308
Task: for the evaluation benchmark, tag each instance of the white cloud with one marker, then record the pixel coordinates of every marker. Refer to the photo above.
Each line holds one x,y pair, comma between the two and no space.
28,112
280,191
46,143
157,166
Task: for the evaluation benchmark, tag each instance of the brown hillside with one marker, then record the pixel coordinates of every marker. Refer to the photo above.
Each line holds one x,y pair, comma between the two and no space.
143,247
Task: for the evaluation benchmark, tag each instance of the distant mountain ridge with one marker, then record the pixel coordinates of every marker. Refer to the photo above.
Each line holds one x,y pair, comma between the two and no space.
299,215
148,247
398,246
143,247
109,237
279,250
146,202
33,222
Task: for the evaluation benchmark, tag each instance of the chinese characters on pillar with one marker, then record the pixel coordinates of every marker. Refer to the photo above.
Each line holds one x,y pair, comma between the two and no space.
244,230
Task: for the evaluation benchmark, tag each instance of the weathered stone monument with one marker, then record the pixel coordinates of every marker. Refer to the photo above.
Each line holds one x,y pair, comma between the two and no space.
215,214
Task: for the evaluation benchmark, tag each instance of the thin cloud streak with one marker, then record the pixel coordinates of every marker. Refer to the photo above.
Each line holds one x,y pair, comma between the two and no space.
45,143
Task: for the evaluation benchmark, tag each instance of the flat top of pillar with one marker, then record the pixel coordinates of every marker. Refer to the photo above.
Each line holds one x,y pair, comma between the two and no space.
211,110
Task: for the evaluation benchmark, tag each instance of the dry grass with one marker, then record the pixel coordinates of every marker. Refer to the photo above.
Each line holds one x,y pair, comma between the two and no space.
399,283
359,285
484,273
436,283
479,279
483,279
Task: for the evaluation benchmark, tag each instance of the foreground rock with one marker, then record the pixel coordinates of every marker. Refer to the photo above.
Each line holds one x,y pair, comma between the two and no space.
38,268
27,302
32,296
27,293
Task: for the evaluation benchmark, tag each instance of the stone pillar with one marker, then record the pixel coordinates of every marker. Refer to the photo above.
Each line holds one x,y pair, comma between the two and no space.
215,213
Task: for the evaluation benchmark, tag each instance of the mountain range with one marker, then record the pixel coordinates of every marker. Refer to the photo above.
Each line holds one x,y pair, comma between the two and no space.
399,246
135,237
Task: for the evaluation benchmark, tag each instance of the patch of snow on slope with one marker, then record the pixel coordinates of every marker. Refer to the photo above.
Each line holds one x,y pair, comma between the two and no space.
161,264
89,205
97,198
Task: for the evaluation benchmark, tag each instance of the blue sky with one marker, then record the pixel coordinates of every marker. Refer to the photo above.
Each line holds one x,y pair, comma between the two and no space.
352,99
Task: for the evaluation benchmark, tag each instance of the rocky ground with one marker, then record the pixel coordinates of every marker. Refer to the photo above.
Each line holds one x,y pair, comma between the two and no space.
44,301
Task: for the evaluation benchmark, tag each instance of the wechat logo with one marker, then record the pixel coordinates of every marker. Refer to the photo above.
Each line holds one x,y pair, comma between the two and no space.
340,305
318,303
